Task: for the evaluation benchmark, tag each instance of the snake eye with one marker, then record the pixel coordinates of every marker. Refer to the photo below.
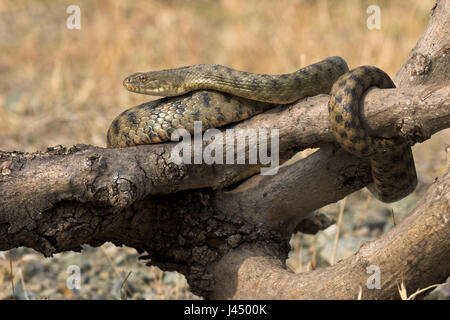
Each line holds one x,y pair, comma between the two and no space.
142,77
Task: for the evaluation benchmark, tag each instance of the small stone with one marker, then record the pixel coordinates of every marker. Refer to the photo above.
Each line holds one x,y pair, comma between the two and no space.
170,277
234,240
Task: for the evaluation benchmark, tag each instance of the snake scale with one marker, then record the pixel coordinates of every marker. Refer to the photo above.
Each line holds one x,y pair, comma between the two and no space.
223,95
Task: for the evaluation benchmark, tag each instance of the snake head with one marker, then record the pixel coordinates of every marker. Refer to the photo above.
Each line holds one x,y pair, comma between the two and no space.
156,83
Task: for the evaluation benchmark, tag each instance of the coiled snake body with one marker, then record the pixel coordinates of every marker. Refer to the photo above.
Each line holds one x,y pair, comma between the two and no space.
242,95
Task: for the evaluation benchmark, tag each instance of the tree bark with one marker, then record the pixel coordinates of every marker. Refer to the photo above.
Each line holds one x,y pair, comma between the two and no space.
415,252
226,227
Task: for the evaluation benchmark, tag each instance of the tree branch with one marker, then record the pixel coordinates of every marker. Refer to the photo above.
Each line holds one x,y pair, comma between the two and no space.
429,61
416,252
302,125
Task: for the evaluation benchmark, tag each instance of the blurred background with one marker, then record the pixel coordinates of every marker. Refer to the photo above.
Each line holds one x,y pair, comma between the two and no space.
62,86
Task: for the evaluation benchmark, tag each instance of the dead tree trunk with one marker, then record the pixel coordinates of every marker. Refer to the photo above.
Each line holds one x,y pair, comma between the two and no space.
225,227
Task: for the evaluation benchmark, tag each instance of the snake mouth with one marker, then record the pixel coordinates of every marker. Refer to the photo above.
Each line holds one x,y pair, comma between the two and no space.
131,86
128,84
134,84
136,88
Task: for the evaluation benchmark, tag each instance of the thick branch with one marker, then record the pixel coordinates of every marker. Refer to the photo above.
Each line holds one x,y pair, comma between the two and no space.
117,177
429,61
281,201
327,175
416,252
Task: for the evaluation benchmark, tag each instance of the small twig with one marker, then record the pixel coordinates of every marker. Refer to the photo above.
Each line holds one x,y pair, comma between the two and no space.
124,295
393,217
404,295
115,269
22,282
11,274
338,228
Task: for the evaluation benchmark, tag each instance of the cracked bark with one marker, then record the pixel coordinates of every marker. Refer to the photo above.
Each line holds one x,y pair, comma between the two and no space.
226,227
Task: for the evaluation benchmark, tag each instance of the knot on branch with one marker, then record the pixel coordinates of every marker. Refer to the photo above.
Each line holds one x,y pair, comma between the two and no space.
418,65
412,130
190,241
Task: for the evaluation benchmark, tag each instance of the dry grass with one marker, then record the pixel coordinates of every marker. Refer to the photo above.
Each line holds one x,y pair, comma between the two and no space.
61,86
404,295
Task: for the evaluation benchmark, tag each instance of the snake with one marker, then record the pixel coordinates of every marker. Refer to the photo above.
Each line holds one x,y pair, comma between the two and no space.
218,95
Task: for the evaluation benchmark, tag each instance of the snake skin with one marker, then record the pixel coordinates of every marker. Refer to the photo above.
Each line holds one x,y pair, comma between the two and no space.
392,163
234,96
